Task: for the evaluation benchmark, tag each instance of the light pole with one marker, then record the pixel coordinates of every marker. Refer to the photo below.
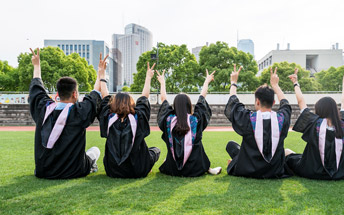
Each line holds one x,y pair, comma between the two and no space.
156,57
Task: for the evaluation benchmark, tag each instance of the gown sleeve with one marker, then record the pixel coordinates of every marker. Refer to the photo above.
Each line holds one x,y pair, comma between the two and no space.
202,113
38,98
89,108
143,111
103,115
286,110
342,114
305,124
239,116
164,111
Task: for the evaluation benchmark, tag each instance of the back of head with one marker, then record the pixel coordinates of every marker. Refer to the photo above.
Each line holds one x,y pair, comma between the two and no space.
122,104
182,107
326,107
266,95
65,87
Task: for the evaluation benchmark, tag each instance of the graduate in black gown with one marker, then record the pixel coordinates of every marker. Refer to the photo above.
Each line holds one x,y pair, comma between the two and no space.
125,125
261,154
182,133
60,135
323,131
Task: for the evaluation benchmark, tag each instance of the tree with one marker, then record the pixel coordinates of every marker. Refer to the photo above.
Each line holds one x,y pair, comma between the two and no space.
331,79
8,77
284,69
182,70
221,58
54,65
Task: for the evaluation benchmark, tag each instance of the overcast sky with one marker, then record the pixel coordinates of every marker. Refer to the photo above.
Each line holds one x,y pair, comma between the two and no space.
305,24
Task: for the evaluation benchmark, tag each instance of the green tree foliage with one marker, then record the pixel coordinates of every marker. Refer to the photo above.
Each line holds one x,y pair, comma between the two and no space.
182,70
221,58
54,65
331,79
8,77
284,69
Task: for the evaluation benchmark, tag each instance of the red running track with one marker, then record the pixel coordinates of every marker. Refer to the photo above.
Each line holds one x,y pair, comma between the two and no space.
96,128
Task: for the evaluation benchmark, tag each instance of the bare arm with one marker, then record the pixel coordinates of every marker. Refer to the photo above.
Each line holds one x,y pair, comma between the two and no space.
207,80
149,76
101,75
36,64
299,97
274,79
234,81
161,79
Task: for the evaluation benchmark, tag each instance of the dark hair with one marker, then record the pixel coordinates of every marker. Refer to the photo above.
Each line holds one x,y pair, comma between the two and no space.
326,107
65,87
122,104
266,95
182,107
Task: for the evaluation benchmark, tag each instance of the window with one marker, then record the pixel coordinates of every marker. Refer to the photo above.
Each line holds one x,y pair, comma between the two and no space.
71,47
67,53
67,47
79,48
79,53
88,55
63,47
83,54
75,47
83,47
88,47
58,45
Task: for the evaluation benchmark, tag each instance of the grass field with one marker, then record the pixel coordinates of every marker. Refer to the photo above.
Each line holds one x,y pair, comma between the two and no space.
22,193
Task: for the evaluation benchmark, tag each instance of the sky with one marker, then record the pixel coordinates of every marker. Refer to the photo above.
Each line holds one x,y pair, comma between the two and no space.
305,24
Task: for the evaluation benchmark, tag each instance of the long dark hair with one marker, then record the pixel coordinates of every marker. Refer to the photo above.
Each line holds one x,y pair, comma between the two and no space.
182,107
326,107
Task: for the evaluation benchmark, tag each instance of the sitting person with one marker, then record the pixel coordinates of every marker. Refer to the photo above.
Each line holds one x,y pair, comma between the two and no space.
182,132
261,154
323,131
60,136
125,126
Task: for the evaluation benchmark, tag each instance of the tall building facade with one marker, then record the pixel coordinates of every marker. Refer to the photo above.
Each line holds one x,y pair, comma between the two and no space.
131,45
197,50
246,45
90,50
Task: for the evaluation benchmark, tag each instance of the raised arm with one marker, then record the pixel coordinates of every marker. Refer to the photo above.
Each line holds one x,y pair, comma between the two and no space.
161,79
234,81
149,76
101,83
274,79
298,93
36,64
342,105
207,80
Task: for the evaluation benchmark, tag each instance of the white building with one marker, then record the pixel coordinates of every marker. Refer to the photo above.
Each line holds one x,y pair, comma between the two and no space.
131,45
246,45
90,50
313,60
197,50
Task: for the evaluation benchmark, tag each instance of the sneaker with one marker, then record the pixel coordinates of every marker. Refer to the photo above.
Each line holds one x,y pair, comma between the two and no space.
94,167
215,171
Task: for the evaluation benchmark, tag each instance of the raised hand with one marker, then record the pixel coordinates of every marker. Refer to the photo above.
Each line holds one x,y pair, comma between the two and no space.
150,71
293,77
35,57
102,66
161,78
235,74
274,79
210,77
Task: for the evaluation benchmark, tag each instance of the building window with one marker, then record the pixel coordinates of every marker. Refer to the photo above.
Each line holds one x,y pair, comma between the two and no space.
67,47
58,45
83,47
71,47
83,54
79,48
62,47
88,47
79,53
75,47
88,55
67,53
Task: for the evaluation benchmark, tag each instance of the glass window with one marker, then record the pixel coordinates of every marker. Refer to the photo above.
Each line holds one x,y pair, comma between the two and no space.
83,54
79,48
58,45
88,47
88,55
67,47
83,47
71,47
75,47
67,53
79,53
63,47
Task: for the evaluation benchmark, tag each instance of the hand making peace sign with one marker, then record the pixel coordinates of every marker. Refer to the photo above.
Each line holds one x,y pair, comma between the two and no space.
274,79
293,77
35,57
235,74
161,78
210,77
150,71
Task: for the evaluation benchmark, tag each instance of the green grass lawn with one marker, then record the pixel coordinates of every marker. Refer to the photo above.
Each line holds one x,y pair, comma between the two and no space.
22,193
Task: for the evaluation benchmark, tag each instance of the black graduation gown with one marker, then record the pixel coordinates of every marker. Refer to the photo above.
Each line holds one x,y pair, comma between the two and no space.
67,159
250,162
309,163
120,160
198,162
